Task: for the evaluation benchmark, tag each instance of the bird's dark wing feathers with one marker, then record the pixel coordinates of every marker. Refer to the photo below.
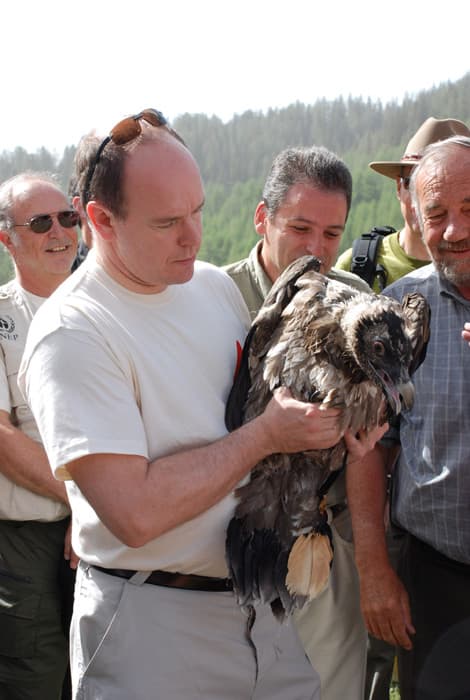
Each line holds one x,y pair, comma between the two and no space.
261,333
280,295
418,318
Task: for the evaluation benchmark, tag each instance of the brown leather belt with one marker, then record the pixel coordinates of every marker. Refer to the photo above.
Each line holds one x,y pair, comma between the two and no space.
190,582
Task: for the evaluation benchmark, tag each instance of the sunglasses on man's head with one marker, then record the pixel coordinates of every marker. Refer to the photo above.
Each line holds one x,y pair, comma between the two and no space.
129,128
42,223
124,132
405,181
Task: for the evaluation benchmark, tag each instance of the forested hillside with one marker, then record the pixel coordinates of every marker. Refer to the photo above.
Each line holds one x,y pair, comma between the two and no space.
235,157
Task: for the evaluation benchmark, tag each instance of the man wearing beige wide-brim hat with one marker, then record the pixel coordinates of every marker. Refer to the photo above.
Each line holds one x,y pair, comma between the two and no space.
404,251
430,131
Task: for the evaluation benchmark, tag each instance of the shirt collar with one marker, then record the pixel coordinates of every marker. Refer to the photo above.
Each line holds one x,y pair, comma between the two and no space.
262,278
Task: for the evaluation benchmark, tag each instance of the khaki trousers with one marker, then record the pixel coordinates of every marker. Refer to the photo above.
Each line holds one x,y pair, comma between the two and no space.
135,641
331,627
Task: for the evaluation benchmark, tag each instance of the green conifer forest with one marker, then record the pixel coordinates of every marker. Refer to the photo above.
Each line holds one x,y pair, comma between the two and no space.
235,157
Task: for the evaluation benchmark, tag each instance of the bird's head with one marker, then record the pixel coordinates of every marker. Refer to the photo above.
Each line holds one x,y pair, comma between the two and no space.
379,342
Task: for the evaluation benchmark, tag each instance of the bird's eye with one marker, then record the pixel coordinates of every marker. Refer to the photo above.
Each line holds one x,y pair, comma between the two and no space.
378,348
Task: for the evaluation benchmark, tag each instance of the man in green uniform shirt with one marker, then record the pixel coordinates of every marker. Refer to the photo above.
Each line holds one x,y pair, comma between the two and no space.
306,200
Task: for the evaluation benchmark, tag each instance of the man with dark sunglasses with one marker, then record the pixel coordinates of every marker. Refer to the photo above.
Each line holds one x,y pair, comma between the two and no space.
38,228
137,431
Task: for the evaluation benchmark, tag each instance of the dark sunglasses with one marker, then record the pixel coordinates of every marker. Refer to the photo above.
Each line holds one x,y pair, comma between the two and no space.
125,131
405,181
42,223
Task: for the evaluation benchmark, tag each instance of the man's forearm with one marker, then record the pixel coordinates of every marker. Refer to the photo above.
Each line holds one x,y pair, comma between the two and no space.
24,462
366,491
384,600
139,501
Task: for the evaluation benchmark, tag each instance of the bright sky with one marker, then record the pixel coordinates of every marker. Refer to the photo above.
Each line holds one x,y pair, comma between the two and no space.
70,66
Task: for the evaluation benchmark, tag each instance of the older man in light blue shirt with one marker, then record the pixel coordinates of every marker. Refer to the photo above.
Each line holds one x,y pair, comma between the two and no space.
432,491
425,609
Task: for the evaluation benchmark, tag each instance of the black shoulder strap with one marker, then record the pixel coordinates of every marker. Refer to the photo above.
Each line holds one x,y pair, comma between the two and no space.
364,255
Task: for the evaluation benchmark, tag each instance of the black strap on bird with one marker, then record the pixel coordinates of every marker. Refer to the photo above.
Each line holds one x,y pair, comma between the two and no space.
364,256
330,479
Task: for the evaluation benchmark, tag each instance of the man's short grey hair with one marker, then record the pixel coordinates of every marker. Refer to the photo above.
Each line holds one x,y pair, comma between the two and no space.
314,165
7,189
431,154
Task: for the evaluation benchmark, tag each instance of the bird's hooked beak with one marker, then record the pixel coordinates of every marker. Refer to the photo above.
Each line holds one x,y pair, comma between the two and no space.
407,394
399,396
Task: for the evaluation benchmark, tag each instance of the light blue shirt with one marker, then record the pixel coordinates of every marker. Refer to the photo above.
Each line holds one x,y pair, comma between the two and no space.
432,486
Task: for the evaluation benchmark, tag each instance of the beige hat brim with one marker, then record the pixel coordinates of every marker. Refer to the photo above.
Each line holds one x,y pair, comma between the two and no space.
393,168
430,131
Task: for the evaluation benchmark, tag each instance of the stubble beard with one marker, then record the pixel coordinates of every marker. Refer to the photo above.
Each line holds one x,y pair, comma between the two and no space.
450,272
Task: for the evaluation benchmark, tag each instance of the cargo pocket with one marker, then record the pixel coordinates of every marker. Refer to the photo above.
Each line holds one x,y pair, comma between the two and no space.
19,608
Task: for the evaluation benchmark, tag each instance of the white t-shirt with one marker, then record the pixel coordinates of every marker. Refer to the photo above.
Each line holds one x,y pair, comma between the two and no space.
17,308
107,370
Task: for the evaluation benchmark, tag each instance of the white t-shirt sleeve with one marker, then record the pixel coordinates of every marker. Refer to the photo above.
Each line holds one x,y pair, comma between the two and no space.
83,400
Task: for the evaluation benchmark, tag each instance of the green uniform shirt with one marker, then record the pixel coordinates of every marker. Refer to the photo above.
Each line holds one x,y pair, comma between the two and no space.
254,283
391,257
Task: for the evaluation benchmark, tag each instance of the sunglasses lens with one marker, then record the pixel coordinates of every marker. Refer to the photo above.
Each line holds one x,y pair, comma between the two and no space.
406,182
153,117
127,130
68,219
41,224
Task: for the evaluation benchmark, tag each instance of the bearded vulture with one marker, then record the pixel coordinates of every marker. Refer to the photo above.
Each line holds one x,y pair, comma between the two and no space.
328,343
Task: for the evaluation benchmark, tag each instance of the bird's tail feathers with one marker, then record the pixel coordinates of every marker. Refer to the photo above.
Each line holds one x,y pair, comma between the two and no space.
257,563
234,552
287,601
259,569
308,566
251,558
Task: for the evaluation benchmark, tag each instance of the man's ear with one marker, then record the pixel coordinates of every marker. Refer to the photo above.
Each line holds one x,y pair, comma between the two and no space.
5,238
78,206
260,218
398,184
102,219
